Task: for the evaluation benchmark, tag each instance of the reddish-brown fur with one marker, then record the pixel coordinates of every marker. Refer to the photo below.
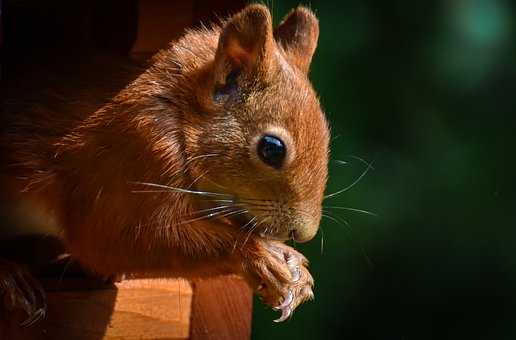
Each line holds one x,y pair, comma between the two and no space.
166,127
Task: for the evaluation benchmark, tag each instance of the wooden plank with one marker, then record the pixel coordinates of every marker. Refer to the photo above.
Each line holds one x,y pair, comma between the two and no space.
222,309
151,309
216,308
132,309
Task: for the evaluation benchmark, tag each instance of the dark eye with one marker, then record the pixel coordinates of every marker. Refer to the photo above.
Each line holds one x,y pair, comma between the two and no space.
271,151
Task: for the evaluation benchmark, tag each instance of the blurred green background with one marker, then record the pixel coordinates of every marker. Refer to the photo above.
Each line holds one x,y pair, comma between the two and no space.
425,91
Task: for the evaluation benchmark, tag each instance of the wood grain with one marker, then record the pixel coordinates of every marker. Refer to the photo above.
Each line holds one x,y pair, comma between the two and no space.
222,309
216,308
133,309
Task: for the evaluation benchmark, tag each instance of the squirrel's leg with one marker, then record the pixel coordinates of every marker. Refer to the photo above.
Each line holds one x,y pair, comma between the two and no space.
19,291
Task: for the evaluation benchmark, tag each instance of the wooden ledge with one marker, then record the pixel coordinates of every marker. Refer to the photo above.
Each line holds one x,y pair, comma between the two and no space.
218,308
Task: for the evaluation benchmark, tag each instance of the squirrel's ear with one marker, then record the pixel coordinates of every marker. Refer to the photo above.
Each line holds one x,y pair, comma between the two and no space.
246,43
298,34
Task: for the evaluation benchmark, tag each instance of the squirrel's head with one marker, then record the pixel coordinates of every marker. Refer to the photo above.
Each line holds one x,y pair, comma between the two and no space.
258,133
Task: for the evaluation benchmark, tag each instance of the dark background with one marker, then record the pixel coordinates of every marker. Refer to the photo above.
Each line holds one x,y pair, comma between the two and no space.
425,91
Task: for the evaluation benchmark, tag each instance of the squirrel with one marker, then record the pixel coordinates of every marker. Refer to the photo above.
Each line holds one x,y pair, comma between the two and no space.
203,165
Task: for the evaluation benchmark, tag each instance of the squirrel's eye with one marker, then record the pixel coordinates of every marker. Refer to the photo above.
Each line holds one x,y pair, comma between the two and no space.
271,151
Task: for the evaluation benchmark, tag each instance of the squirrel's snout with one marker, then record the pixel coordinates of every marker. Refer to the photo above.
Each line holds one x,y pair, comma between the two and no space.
304,233
306,224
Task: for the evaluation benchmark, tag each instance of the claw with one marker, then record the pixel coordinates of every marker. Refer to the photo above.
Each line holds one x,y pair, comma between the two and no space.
292,261
24,286
296,275
35,317
288,300
285,314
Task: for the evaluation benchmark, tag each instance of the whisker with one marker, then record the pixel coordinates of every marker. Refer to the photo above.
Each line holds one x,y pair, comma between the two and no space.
369,167
350,209
249,222
197,179
254,200
214,208
222,213
225,213
208,216
190,160
267,229
222,201
346,224
217,210
340,222
229,197
338,161
239,212
181,190
246,201
361,160
253,228
249,234
250,231
322,239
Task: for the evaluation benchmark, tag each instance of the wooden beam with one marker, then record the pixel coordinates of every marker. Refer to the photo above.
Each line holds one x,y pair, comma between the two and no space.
221,310
218,308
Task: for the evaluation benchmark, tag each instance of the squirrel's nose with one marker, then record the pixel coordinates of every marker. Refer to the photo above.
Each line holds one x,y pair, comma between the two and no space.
303,234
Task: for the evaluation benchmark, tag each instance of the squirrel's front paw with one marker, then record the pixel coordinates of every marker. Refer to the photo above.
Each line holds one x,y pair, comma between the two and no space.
283,279
19,290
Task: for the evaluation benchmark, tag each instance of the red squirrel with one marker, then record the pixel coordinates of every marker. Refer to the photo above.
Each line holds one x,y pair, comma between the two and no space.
203,165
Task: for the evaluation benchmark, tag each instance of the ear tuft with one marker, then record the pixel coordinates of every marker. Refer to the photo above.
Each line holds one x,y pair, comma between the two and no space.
298,34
